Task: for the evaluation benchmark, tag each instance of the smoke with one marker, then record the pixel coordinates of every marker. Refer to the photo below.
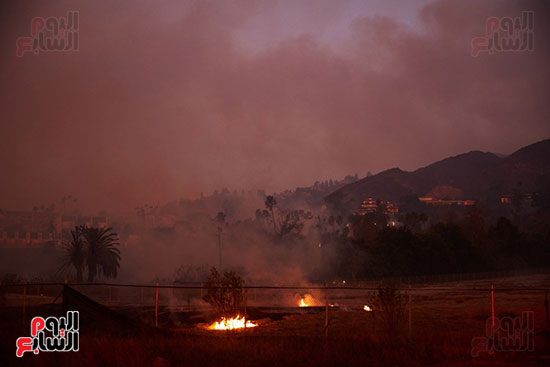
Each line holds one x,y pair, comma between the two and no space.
169,99
247,246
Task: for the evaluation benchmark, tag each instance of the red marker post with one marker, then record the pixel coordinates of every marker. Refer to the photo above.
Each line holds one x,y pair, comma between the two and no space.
245,313
24,303
326,309
493,308
157,305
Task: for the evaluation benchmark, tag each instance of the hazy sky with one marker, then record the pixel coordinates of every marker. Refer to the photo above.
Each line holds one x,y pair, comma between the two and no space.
165,99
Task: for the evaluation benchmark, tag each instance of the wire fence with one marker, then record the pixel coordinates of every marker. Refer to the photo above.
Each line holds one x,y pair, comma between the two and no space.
458,277
426,301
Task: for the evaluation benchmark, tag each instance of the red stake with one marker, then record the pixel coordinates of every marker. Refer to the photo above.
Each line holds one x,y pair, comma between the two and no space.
245,314
157,306
24,303
493,308
326,309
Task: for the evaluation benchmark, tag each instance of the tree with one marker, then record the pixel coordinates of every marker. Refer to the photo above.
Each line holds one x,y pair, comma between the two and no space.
220,220
270,204
474,225
102,255
505,241
291,222
75,256
414,220
392,252
365,227
390,304
224,292
517,204
187,273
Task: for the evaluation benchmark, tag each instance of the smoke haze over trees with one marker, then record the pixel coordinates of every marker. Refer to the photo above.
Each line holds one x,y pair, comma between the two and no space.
173,98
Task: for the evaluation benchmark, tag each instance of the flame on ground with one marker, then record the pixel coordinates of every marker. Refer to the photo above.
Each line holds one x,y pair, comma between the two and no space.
307,301
367,308
237,322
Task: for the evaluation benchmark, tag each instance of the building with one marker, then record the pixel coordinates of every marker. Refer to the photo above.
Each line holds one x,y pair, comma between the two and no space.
525,198
368,206
371,206
442,202
21,229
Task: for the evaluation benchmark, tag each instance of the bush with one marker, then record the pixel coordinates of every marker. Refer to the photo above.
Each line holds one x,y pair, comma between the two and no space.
390,306
224,292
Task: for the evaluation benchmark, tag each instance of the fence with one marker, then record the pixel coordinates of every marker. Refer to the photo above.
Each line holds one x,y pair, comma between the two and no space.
432,305
457,277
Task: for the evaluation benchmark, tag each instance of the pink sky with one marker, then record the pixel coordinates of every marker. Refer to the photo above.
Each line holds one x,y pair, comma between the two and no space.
166,99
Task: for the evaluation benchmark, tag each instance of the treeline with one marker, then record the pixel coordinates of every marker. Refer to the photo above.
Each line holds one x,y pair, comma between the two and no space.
415,243
443,248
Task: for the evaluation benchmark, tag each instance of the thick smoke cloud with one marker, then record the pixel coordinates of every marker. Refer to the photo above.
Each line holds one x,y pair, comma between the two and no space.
168,99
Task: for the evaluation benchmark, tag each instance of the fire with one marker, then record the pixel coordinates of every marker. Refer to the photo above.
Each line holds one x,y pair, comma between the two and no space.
307,301
237,322
367,308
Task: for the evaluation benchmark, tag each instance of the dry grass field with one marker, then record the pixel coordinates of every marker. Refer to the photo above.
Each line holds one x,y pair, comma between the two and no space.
444,319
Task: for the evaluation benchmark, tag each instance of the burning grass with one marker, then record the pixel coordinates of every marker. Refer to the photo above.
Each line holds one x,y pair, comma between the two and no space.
237,322
307,300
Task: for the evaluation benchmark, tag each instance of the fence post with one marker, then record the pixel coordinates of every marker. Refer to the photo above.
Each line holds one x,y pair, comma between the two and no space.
157,305
24,303
492,309
410,313
245,314
326,309
546,308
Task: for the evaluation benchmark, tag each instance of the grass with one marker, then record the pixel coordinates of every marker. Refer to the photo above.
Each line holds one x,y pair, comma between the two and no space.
443,325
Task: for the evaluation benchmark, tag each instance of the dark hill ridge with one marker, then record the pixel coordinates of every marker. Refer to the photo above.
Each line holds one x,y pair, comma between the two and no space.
478,175
465,172
537,155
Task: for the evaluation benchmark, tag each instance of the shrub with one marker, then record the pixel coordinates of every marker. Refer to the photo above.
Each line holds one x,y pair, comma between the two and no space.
224,292
390,307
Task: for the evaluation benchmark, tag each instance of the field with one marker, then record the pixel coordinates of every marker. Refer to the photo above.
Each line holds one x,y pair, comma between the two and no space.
444,319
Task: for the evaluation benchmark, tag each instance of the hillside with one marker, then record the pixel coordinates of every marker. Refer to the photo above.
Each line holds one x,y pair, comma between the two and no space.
473,175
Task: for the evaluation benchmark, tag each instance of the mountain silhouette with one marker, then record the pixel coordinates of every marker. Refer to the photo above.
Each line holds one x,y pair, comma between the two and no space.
474,175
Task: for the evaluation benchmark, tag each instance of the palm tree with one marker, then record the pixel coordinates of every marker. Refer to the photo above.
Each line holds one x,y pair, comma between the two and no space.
75,253
270,204
220,220
102,256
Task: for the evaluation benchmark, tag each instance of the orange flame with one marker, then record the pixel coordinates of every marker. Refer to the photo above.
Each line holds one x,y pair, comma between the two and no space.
307,301
237,322
367,308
